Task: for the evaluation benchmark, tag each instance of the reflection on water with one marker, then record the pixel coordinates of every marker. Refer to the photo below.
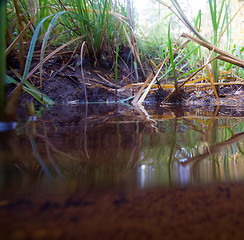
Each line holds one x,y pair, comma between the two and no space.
109,146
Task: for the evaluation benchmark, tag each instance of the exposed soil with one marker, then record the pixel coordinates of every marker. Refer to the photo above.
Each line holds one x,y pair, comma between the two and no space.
210,212
64,84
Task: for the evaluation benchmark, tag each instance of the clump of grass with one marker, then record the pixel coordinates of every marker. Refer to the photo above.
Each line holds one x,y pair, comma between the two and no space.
94,20
103,25
215,53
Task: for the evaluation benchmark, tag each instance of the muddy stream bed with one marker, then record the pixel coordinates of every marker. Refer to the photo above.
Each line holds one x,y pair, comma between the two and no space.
116,171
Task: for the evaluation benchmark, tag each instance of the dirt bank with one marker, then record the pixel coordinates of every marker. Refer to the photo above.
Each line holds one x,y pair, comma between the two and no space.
209,212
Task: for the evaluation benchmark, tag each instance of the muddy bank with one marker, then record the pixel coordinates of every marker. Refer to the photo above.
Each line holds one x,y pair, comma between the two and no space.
208,212
65,84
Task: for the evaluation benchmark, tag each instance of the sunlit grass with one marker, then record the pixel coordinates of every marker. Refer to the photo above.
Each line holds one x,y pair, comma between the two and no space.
104,25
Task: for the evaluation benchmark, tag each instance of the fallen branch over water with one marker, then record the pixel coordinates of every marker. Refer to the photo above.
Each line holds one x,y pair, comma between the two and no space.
223,55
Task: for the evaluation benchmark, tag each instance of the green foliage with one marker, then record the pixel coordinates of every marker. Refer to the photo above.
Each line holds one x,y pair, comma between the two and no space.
2,56
100,24
116,66
220,24
216,18
94,20
23,79
56,22
172,59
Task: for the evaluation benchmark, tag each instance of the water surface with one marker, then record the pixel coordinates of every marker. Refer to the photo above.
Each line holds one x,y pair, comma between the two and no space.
105,146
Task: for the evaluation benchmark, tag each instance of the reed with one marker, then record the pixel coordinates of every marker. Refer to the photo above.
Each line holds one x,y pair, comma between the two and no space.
218,28
54,23
219,19
23,79
172,62
116,71
94,20
104,25
2,57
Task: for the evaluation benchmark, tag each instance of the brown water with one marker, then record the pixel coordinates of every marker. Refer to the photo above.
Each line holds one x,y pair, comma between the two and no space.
108,146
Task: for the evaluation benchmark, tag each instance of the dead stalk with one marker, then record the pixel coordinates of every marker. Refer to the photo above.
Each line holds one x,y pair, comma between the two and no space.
159,67
223,55
81,66
188,79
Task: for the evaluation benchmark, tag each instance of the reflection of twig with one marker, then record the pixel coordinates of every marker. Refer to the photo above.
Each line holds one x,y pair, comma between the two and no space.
213,118
143,113
210,128
54,148
85,135
215,149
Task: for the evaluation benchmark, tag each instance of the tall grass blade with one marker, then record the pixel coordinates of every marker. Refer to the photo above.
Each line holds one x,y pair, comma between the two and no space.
213,12
2,56
172,60
52,54
35,92
32,91
21,40
28,62
31,49
180,14
45,39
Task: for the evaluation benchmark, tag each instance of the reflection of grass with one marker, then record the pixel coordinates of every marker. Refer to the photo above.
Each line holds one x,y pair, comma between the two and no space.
193,145
119,147
39,158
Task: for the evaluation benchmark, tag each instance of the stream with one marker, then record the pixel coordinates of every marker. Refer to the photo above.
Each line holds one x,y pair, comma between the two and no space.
97,146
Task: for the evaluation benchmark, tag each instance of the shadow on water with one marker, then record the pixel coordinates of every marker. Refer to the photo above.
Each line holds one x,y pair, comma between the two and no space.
100,146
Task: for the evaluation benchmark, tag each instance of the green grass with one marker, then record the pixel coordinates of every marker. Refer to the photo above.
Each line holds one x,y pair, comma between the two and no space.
93,20
218,28
2,57
221,25
53,23
172,61
103,26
